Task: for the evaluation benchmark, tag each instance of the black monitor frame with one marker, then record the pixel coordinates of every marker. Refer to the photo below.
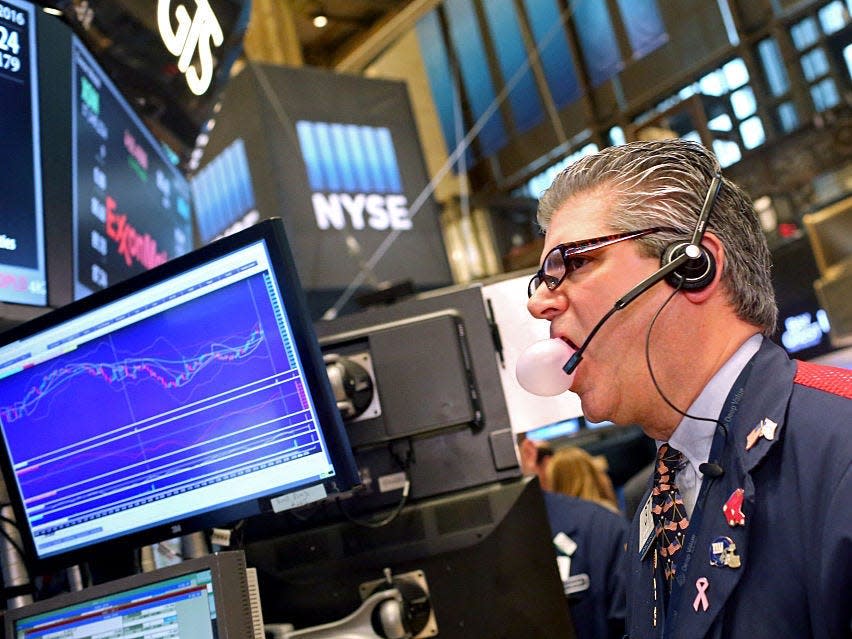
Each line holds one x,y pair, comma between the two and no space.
227,579
304,340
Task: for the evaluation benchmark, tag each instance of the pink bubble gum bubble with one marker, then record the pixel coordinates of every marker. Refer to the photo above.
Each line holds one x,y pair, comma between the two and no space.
539,368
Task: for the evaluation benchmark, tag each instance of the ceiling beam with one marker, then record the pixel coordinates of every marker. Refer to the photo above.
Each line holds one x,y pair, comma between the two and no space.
383,35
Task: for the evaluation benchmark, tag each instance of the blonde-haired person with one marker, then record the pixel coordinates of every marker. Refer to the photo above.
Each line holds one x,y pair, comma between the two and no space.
573,471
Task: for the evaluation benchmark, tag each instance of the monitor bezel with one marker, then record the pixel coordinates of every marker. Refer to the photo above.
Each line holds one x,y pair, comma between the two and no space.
272,232
231,592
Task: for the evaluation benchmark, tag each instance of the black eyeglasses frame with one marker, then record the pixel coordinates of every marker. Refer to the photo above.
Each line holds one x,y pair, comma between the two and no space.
570,249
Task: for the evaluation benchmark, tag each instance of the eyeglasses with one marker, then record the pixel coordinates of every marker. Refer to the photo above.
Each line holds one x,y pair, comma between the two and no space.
559,261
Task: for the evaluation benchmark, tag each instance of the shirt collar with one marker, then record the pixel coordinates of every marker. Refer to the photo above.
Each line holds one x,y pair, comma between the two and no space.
694,437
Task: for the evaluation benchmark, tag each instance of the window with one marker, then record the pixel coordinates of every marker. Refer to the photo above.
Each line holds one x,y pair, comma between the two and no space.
730,106
540,182
810,37
773,67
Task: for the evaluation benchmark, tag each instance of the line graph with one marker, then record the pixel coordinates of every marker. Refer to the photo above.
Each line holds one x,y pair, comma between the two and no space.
169,373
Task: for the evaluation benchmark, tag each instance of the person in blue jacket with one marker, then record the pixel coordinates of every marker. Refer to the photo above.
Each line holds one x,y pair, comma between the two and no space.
589,541
655,269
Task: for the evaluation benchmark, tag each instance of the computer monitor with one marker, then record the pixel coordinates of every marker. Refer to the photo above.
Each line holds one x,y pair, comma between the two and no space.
483,557
22,252
91,196
174,72
186,397
202,598
803,327
130,205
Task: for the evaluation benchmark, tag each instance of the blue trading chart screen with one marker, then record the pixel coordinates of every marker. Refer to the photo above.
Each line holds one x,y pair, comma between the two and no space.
183,398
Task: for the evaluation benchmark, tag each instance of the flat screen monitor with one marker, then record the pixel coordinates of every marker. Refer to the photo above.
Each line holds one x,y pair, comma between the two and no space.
171,58
131,205
191,395
22,259
556,430
204,598
803,327
477,563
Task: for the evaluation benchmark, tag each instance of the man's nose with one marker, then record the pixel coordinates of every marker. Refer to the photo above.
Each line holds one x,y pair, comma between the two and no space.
546,304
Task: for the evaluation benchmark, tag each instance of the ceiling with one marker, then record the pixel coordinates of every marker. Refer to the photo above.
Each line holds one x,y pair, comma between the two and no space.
349,23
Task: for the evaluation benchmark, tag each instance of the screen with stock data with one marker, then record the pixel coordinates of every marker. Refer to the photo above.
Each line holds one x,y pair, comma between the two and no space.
201,391
131,204
202,598
160,610
22,261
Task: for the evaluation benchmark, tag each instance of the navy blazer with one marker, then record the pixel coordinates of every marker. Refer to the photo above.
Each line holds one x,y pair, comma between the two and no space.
794,577
598,605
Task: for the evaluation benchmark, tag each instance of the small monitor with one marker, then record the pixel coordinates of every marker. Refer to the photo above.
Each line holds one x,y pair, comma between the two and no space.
186,397
561,428
204,598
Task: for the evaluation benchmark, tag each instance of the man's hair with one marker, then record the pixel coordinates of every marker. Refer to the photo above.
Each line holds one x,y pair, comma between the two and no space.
664,183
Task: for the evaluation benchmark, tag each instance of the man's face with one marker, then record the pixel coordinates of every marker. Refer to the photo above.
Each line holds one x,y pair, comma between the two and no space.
612,378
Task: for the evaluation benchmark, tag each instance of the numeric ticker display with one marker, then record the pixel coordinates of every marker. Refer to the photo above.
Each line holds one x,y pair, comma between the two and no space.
22,261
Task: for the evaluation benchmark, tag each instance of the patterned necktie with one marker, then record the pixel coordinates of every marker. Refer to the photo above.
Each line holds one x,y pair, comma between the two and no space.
670,519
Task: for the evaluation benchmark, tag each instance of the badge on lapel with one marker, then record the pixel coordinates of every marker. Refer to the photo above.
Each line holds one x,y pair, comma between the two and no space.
765,428
733,508
723,553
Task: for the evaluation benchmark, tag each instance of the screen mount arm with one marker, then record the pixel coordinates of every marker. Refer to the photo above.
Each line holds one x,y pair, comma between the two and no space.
358,625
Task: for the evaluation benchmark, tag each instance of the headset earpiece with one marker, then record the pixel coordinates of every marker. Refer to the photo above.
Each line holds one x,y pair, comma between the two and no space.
695,274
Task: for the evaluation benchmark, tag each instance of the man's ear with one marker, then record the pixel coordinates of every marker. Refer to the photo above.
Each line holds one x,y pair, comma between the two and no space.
714,246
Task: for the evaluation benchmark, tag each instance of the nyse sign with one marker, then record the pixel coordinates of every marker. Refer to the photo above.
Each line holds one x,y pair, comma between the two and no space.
194,34
354,175
359,211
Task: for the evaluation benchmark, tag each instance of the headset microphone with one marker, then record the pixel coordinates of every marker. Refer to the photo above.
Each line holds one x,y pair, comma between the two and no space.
698,270
711,469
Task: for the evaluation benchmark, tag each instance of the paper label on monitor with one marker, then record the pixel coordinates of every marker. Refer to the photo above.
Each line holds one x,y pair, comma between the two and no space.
220,537
298,498
394,481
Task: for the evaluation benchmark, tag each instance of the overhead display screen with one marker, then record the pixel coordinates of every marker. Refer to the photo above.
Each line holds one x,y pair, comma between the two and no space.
173,58
22,263
131,205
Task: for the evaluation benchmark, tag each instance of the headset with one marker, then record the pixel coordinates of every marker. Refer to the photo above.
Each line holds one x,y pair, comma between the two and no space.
696,272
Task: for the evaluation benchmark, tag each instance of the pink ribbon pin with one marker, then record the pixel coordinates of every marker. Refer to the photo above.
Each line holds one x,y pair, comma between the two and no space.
701,584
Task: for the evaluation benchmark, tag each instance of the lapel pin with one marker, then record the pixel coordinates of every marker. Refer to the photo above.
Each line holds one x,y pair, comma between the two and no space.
752,437
701,585
766,429
733,508
723,552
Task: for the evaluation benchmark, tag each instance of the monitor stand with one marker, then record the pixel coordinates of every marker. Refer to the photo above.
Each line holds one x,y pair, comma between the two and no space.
385,613
16,577
386,606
